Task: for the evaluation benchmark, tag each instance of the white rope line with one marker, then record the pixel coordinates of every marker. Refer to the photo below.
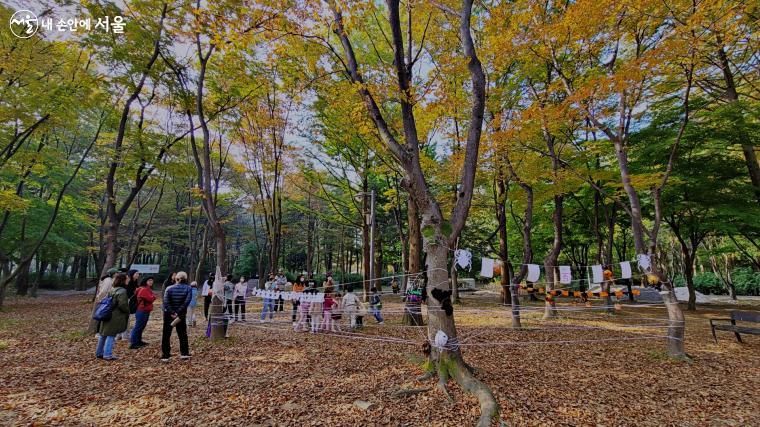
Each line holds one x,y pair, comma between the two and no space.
393,340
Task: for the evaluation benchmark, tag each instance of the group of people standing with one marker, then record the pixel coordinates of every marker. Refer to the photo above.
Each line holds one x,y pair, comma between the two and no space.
325,315
126,299
129,294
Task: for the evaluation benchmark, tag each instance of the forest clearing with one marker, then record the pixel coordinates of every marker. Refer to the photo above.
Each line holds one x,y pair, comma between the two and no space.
397,212
269,375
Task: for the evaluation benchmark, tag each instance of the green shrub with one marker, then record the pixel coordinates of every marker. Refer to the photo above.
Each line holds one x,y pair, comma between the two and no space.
709,284
679,281
53,281
746,281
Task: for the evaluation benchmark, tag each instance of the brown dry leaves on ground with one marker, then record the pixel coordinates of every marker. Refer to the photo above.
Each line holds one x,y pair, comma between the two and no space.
268,375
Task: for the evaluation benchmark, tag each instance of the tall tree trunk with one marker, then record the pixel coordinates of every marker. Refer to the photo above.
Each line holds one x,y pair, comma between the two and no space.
447,358
202,252
527,250
310,239
82,273
688,273
378,263
38,280
454,277
114,214
506,265
22,279
610,233
74,268
748,148
411,309
550,262
366,259
415,240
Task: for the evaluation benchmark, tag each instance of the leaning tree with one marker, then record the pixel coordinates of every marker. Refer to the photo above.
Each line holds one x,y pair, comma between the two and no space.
438,232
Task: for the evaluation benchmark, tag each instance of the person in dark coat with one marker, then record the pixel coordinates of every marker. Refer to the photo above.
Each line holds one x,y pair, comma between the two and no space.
176,300
117,324
133,280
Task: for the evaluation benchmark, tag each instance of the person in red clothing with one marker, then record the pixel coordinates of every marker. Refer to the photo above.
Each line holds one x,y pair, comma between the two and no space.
145,298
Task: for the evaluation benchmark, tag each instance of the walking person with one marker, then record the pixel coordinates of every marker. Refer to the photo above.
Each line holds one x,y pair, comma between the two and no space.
375,305
350,305
208,292
238,296
145,298
117,323
176,300
298,287
268,306
193,304
229,292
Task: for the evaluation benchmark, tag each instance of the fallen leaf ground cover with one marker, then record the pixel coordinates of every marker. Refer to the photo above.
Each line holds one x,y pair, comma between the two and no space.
586,368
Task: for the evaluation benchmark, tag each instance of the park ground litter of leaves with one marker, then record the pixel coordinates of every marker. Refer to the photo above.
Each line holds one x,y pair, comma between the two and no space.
267,375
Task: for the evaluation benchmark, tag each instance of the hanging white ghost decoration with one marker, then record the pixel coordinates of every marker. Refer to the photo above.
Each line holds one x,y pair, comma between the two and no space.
645,263
441,339
463,258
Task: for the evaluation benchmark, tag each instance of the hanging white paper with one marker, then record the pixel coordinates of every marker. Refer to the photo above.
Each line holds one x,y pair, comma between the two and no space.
534,273
625,270
486,268
441,339
565,274
645,263
463,258
597,274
